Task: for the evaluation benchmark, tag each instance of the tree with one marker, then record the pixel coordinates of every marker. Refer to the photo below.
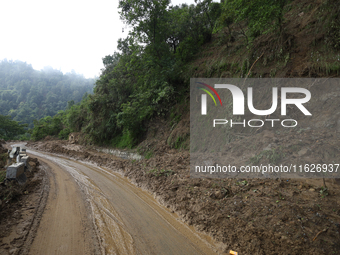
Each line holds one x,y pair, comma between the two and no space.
147,17
140,81
47,126
259,14
25,91
9,129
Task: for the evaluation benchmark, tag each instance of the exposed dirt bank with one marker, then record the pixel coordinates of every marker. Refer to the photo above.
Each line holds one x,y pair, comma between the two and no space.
254,216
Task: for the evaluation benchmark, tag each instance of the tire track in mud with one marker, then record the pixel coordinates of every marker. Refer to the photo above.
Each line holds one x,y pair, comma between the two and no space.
64,226
114,239
126,219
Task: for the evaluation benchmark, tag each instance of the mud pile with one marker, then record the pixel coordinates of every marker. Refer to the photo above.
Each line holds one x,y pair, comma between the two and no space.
251,216
18,209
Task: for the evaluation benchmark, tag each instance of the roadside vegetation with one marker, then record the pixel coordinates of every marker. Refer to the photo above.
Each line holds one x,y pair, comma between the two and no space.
167,45
10,129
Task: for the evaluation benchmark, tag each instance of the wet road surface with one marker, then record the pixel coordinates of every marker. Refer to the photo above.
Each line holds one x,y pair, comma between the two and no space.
125,219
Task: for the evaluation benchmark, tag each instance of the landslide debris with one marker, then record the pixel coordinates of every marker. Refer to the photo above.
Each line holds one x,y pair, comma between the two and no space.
252,216
20,206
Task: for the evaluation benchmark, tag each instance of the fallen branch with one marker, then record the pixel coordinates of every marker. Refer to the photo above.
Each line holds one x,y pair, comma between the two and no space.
254,64
319,234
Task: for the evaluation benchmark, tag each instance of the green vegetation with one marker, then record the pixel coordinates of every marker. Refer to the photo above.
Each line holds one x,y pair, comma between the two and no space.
149,154
161,172
180,142
27,94
144,79
323,191
251,18
150,73
48,126
10,129
2,176
63,123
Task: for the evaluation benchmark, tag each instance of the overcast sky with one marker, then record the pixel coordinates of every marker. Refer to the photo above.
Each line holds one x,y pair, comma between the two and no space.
64,34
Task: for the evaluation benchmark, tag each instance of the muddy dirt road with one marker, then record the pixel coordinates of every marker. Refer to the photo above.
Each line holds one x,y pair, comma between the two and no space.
91,210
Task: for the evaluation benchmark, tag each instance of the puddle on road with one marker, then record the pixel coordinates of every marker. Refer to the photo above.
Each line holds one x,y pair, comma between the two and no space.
113,237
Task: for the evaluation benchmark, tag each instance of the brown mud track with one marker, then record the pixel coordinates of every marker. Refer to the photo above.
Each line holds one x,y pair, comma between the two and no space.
117,217
64,227
254,216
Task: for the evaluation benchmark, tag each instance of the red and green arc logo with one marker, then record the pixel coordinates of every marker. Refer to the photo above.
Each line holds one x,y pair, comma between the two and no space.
208,92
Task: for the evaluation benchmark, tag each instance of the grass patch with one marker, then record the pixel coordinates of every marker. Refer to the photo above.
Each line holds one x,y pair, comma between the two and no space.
148,154
3,158
2,176
175,117
323,192
180,142
123,141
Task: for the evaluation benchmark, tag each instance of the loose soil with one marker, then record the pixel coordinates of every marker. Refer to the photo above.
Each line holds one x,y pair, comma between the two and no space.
126,219
21,208
253,216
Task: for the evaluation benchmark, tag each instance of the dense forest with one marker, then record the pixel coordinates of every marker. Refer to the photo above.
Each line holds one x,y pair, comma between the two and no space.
150,72
27,94
144,78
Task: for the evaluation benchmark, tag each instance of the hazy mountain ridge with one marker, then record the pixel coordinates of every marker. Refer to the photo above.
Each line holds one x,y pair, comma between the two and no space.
27,94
